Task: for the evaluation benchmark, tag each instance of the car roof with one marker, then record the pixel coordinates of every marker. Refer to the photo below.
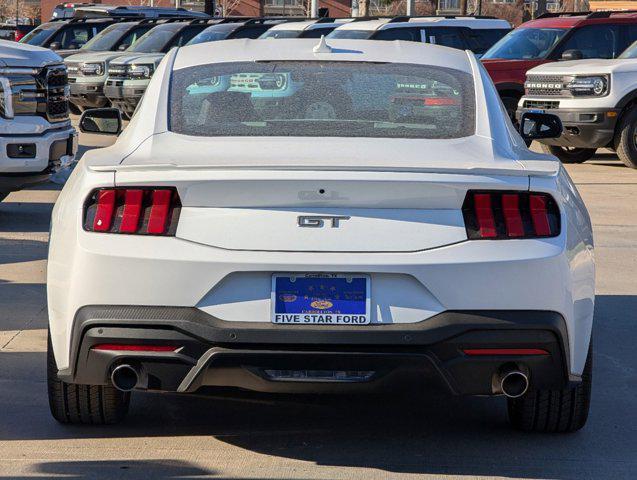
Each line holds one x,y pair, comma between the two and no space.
576,19
311,24
78,21
127,10
246,50
442,21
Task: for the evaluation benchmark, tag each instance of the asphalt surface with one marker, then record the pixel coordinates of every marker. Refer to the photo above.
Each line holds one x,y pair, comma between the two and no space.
419,435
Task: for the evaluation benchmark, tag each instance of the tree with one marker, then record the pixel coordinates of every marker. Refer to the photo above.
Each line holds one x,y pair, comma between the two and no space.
25,10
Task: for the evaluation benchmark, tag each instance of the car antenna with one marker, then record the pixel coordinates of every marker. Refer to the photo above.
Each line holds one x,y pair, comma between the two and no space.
322,46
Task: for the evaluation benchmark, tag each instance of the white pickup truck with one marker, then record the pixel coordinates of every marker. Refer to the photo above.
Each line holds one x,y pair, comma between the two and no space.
36,135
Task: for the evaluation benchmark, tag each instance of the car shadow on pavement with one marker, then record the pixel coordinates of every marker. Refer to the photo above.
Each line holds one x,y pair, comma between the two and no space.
410,432
152,469
23,217
17,250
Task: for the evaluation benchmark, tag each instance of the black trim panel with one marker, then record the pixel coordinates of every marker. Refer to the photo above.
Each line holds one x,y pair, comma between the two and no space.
207,343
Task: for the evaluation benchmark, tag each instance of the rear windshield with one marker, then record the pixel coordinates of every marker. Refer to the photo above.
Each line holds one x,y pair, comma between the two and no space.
322,99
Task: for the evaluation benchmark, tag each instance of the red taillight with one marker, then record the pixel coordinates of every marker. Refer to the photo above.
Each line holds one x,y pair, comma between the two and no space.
104,211
512,215
140,211
18,35
440,101
502,215
159,211
484,215
504,351
132,211
114,347
539,214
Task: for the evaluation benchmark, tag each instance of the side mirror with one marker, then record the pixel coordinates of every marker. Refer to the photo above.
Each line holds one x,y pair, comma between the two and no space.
535,126
55,45
572,55
123,47
102,121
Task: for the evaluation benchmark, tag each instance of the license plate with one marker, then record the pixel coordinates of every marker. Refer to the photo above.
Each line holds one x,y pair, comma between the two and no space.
325,299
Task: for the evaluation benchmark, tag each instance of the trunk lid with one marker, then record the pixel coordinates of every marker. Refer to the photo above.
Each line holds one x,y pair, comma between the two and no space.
320,211
370,195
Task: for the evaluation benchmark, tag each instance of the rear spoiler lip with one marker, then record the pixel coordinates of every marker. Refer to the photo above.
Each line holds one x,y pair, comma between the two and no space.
317,168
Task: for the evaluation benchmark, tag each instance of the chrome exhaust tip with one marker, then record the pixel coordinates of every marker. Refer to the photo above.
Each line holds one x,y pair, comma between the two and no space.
124,377
514,383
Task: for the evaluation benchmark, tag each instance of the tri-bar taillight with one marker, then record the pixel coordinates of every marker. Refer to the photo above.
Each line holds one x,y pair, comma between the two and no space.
133,211
496,215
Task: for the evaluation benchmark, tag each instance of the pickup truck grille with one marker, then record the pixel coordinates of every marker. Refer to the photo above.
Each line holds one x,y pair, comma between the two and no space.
57,98
547,85
542,104
40,92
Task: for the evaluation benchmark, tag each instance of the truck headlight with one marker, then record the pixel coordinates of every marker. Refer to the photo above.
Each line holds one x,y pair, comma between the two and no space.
140,71
92,69
593,86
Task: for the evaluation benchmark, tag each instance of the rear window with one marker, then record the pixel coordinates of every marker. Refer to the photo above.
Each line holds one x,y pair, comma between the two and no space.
351,34
322,99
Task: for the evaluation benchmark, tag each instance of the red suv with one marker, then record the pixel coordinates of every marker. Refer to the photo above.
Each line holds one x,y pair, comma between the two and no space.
552,37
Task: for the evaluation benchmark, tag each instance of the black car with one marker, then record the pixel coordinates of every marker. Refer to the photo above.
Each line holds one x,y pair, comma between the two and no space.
70,35
238,28
117,37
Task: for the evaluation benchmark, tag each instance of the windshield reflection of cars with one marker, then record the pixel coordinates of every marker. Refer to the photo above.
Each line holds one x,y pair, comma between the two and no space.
630,52
210,35
322,99
106,39
153,41
351,34
282,34
526,44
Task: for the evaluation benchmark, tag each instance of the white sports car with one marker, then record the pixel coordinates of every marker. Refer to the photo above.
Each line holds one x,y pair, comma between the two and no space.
374,222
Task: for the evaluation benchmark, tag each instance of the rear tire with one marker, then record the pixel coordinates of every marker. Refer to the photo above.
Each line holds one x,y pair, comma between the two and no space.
554,411
626,139
83,404
570,155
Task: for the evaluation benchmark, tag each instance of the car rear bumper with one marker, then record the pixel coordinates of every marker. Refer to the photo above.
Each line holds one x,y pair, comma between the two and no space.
213,352
583,128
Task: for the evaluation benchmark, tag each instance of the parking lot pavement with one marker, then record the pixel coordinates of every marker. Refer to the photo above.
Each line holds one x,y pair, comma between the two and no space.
412,435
